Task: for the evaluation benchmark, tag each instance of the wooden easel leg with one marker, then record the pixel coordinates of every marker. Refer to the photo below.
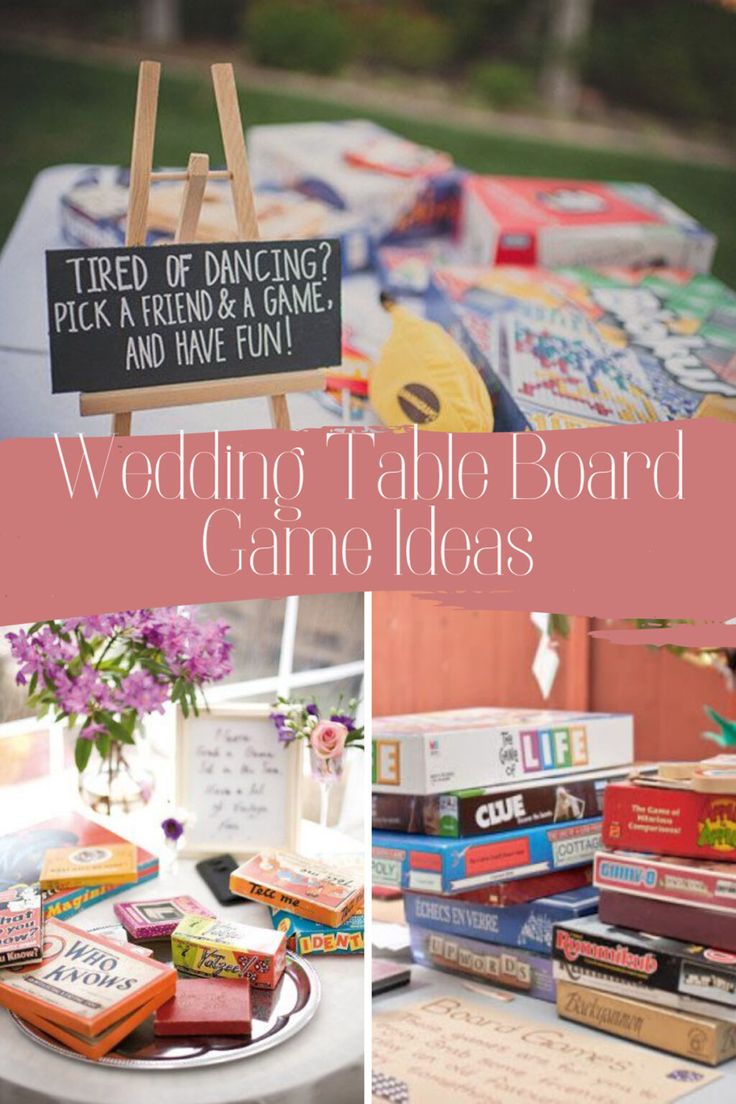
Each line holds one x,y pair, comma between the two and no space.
236,158
121,423
191,203
279,412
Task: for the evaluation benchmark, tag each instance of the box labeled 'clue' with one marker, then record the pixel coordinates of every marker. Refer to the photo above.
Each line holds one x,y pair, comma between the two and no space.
219,948
665,821
432,753
479,812
432,865
21,924
300,885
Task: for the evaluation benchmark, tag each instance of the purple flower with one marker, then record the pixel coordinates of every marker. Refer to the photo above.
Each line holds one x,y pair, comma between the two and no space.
142,692
344,719
91,731
173,828
84,694
312,710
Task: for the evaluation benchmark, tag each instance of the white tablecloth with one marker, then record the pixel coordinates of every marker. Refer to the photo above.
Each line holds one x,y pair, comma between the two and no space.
323,1063
28,409
429,984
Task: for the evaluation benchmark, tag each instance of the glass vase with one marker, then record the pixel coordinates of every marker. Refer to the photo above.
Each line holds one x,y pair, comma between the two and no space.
120,783
326,772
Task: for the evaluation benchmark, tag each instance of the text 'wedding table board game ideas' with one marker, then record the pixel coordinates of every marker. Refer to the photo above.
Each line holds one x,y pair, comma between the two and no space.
143,327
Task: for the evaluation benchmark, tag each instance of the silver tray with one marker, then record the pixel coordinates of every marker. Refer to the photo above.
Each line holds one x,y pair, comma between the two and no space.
277,1015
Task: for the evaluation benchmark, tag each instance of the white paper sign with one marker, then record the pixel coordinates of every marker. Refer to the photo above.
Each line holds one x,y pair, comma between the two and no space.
239,784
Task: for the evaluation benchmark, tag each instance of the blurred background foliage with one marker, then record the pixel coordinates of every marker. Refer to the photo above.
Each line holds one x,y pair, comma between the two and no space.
673,59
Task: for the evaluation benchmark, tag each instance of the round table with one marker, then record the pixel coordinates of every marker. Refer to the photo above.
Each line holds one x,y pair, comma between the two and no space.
324,1062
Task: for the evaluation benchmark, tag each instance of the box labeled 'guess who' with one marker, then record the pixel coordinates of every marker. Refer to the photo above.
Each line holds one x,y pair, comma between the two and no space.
431,753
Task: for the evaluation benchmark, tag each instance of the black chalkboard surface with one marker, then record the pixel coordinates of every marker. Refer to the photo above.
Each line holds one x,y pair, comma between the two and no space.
121,318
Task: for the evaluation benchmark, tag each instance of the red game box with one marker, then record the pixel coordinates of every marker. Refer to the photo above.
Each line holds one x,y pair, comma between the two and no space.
665,821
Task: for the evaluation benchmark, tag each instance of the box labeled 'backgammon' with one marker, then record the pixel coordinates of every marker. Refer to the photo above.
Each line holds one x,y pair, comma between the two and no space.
708,885
666,821
528,926
701,1038
478,812
300,885
432,865
221,948
433,753
507,967
21,925
652,961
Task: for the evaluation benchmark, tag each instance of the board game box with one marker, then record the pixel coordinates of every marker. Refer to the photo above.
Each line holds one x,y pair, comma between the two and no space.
679,822
433,753
156,918
478,812
507,967
528,926
21,924
87,991
22,853
697,884
584,347
655,962
432,865
72,867
303,886
670,918
528,221
308,937
221,948
701,1038
404,191
521,890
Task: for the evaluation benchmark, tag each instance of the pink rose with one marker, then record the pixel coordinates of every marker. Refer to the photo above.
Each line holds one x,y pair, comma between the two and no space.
328,739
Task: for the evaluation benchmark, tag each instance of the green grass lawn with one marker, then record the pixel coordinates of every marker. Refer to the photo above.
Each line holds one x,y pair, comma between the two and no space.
62,111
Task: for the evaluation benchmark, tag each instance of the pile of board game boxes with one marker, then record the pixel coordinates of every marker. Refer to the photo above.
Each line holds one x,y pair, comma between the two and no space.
581,303
488,821
658,965
90,989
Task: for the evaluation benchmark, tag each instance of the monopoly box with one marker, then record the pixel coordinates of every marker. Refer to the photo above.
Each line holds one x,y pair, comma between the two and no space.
528,926
670,918
403,190
507,967
654,962
665,821
22,854
431,865
432,753
701,1038
528,221
478,812
686,881
588,347
308,937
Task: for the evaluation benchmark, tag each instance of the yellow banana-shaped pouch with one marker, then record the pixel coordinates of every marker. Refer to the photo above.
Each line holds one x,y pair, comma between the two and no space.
422,377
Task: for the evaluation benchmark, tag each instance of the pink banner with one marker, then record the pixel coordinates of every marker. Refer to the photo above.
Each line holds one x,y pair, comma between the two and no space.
613,522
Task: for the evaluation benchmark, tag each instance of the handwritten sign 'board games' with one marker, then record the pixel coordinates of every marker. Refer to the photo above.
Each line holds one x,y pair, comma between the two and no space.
238,781
139,317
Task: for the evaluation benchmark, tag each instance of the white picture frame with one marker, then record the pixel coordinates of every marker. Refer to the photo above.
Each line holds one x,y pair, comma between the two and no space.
199,841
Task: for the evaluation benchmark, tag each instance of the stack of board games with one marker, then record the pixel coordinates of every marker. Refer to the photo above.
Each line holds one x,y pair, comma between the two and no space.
316,908
586,347
87,991
486,871
22,855
659,963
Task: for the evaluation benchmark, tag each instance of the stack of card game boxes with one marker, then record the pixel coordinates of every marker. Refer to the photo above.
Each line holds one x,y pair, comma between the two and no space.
659,963
317,907
488,820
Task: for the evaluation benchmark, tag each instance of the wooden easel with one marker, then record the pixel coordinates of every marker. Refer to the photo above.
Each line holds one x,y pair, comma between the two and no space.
275,387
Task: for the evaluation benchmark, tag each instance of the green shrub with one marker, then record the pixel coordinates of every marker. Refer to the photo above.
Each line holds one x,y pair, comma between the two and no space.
412,41
502,84
311,37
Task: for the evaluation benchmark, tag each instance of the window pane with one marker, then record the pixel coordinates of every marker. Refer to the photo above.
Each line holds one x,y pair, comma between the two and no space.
255,630
329,630
13,699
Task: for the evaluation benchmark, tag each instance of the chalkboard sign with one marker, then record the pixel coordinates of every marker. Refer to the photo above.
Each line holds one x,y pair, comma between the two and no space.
141,317
240,785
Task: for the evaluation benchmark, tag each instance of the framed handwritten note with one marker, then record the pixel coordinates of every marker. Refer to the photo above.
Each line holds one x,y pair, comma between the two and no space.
240,784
